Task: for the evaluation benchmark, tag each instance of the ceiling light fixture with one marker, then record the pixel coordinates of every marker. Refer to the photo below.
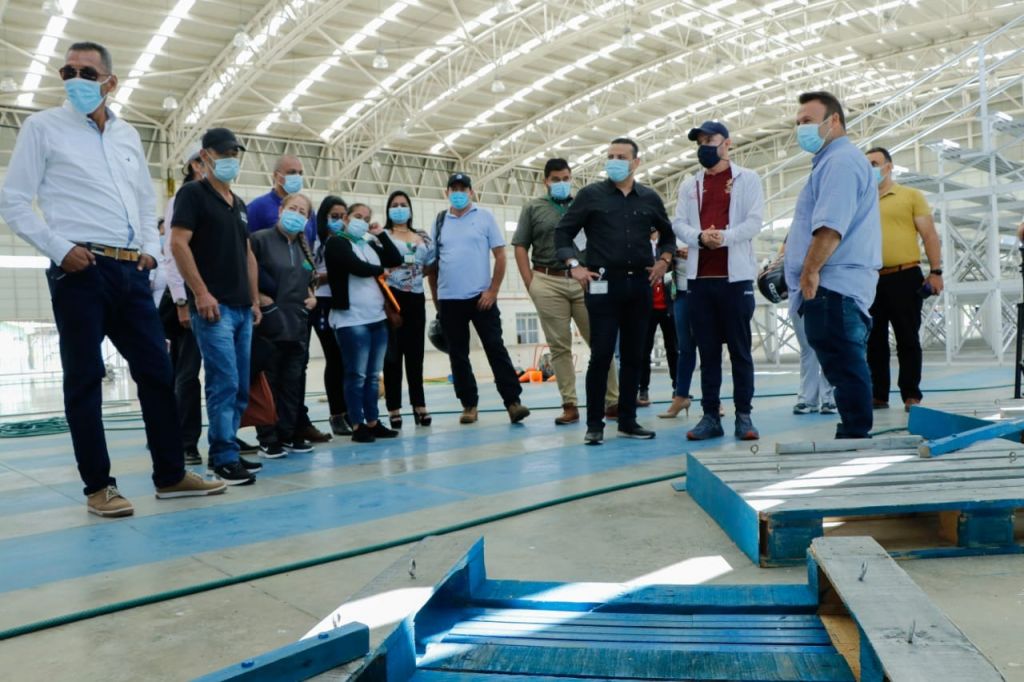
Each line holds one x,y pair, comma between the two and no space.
295,117
380,60
8,84
593,110
628,41
497,86
241,39
170,103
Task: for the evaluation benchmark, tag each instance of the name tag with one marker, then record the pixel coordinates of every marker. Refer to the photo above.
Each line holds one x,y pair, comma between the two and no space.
410,259
599,287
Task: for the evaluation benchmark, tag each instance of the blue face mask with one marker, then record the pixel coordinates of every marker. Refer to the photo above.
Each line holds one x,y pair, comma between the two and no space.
808,138
617,169
399,214
357,228
84,95
292,183
878,174
335,226
459,200
293,222
560,191
226,169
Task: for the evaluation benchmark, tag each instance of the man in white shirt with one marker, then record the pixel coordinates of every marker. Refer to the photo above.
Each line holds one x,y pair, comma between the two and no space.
98,226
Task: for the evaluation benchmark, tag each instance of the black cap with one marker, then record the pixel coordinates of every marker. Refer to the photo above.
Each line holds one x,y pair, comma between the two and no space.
460,179
221,140
709,128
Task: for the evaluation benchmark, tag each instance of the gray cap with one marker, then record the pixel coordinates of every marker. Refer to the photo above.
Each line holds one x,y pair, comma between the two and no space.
191,155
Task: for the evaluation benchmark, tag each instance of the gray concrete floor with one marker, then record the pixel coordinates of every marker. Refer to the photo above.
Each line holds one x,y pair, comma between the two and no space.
614,537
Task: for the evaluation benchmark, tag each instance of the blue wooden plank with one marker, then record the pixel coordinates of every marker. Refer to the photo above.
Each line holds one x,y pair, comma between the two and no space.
458,676
787,540
619,634
639,663
962,439
985,528
300,660
698,620
931,423
723,504
613,598
526,643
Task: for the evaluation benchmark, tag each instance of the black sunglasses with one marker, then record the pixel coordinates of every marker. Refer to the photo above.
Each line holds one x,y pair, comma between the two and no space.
86,72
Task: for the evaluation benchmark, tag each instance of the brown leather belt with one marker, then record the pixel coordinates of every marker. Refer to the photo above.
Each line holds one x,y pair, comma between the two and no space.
898,268
117,253
561,272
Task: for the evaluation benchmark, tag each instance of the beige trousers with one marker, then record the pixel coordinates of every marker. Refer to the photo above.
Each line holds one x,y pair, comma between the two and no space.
559,300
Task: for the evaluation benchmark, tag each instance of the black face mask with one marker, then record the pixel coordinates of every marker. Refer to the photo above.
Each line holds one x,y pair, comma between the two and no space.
707,155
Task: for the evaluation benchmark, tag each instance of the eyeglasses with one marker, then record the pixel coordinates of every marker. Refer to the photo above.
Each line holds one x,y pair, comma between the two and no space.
86,72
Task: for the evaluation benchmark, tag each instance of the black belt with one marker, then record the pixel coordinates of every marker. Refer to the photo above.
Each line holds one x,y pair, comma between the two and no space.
623,271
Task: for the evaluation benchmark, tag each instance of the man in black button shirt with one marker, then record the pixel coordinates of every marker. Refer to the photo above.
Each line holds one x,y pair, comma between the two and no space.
210,243
617,216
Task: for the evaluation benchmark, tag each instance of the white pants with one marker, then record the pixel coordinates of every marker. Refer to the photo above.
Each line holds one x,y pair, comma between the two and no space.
814,387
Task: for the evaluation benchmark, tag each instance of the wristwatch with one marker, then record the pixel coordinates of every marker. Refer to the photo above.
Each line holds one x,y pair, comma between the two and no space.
935,271
573,263
181,302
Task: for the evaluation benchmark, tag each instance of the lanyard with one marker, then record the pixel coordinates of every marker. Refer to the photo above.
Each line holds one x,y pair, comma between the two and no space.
562,209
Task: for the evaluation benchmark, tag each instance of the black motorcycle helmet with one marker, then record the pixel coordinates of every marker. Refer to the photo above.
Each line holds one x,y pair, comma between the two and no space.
772,283
436,336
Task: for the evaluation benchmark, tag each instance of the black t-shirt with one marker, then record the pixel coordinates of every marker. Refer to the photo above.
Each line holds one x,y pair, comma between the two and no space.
220,241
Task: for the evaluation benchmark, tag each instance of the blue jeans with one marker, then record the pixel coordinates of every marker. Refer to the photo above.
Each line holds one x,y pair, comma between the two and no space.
112,299
363,348
838,332
720,313
226,346
686,345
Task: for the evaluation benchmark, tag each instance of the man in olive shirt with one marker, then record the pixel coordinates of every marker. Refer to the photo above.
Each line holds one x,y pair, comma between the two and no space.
556,295
902,287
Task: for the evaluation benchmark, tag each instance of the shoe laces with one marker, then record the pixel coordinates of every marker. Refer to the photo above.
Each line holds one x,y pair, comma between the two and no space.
112,493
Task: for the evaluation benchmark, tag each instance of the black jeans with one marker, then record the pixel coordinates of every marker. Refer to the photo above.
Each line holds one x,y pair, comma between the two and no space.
838,331
285,368
896,303
334,366
663,319
406,343
112,299
623,313
720,312
456,317
187,361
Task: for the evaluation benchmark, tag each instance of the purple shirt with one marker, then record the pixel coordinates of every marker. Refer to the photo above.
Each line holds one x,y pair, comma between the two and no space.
264,211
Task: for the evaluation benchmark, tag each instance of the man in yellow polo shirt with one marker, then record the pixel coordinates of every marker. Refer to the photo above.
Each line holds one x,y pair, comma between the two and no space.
902,287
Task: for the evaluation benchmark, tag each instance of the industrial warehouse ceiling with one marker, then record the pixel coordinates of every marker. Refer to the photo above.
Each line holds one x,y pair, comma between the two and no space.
502,85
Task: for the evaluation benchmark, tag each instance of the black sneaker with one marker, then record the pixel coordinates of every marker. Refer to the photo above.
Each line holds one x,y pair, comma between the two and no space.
192,457
250,465
340,425
636,431
246,448
298,445
594,437
234,474
381,431
363,434
272,451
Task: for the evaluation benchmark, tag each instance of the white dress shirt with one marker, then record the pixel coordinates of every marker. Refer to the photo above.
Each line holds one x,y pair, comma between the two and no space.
91,187
175,282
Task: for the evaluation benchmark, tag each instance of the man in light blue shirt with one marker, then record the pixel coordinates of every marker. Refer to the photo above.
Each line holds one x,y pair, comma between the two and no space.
465,291
98,227
833,254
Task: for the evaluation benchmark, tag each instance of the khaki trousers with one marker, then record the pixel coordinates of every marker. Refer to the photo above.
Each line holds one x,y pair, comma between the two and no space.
559,300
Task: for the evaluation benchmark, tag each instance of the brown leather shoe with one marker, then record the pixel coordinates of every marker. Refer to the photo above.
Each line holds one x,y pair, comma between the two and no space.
109,502
517,412
611,411
910,402
314,435
570,415
469,415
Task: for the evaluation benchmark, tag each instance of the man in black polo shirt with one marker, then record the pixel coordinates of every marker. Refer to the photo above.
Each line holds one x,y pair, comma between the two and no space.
618,216
210,243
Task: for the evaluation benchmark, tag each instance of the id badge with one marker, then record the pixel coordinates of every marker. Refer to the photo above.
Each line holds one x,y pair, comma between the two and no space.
410,259
599,287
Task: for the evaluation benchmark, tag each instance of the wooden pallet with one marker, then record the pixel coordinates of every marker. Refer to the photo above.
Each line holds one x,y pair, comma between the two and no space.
773,506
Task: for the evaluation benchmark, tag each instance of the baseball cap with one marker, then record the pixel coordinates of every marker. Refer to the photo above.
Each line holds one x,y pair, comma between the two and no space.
709,128
221,140
191,155
460,179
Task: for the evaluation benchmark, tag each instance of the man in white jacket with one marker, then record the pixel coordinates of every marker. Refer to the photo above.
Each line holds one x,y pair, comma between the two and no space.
717,215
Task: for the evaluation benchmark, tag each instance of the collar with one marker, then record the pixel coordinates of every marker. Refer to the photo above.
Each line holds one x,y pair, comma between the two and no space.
838,143
205,182
610,186
892,190
472,208
273,197
111,116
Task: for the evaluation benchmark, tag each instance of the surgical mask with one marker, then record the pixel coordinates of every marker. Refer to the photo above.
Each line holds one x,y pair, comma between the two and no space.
617,169
335,226
707,155
83,94
879,178
357,228
561,190
292,183
808,138
293,222
459,200
399,214
226,169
